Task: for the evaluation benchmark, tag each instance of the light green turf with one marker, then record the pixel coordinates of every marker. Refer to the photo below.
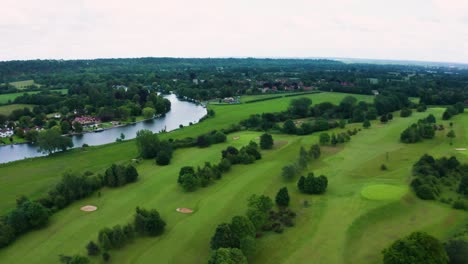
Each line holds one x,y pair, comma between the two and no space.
23,84
7,109
383,192
340,226
4,98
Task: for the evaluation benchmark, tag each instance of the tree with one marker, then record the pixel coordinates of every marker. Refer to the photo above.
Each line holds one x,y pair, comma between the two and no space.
266,141
92,248
241,226
418,247
457,251
7,234
148,112
260,202
189,182
282,197
77,259
78,127
163,158
334,140
300,106
314,151
384,119
147,144
312,185
51,140
366,124
227,256
148,222
289,172
289,127
451,135
65,127
463,187
405,112
224,237
106,256
324,138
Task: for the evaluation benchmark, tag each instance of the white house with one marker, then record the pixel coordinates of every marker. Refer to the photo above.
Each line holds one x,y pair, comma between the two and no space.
5,133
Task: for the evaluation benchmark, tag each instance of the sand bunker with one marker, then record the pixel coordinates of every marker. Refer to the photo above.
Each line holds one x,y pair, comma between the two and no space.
184,210
88,208
460,149
235,138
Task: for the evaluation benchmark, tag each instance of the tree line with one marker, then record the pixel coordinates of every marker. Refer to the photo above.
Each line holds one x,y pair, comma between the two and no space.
235,242
190,178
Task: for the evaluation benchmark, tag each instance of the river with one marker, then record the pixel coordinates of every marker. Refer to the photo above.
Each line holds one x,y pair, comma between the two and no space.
182,112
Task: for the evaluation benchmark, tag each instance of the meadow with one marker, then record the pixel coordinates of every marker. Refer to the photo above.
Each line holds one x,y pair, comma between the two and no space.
362,212
10,97
7,109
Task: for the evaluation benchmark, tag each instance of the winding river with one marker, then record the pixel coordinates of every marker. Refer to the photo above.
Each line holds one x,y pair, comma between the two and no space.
181,113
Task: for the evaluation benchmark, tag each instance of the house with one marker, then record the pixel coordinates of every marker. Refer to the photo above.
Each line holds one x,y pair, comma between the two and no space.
229,100
375,92
86,120
57,116
6,133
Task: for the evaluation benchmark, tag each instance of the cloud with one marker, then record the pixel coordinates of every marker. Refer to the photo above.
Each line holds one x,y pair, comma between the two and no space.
415,30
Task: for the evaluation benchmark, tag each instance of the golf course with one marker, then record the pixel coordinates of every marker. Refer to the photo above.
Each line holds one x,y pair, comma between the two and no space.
362,212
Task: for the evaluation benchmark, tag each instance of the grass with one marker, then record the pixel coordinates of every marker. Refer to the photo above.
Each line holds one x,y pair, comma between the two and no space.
340,226
384,192
7,109
23,84
10,97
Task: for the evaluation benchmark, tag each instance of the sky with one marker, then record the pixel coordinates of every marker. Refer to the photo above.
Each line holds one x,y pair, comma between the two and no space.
425,30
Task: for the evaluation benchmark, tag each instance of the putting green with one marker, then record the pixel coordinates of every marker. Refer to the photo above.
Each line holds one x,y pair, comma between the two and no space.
383,192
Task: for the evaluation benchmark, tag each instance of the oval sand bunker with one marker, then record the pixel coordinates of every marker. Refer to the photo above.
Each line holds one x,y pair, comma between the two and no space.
184,210
382,192
88,208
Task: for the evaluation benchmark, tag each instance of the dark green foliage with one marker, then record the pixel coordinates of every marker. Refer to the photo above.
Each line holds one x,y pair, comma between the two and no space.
312,185
7,234
428,173
366,124
227,256
460,204
383,167
224,237
300,107
28,215
241,226
324,138
463,186
148,222
106,256
289,127
289,171
384,119
119,175
419,131
185,170
51,140
418,247
314,151
457,251
149,146
92,248
282,197
266,141
76,259
431,119
421,108
405,112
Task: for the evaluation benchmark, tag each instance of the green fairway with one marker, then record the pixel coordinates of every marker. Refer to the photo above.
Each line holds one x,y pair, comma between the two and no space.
4,98
7,109
383,192
363,211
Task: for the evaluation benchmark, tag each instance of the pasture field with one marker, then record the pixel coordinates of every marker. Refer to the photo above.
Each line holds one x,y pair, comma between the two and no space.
7,109
4,98
341,226
24,84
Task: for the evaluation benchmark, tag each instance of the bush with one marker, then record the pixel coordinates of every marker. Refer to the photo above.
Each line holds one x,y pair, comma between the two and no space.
459,204
266,141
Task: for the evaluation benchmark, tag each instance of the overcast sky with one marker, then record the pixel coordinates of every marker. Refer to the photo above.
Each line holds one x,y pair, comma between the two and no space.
428,30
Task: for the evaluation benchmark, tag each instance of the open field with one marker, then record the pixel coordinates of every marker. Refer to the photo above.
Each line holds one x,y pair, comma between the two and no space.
4,98
341,226
7,109
24,84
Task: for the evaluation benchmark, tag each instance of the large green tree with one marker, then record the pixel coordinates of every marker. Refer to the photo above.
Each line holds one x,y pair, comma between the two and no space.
51,140
266,141
282,197
418,247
